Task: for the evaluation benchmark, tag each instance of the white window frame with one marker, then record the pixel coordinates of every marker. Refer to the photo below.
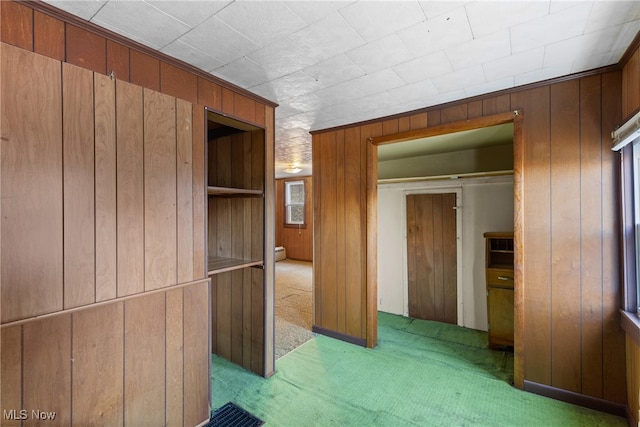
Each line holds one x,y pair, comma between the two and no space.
289,204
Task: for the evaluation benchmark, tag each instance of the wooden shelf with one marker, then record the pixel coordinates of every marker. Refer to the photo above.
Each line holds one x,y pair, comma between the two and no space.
230,192
220,264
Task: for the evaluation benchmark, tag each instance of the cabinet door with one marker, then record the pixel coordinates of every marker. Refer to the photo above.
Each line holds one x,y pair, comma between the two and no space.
500,308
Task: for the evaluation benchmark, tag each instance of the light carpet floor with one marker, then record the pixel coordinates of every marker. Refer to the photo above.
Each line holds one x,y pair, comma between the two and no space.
293,306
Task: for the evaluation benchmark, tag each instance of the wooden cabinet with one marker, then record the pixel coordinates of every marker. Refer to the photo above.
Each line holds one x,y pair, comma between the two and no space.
499,283
236,165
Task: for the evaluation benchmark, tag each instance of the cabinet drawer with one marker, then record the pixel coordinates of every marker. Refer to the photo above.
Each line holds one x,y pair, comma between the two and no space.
502,278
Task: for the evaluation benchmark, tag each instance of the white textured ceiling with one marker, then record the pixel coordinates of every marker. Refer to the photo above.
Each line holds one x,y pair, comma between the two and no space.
330,63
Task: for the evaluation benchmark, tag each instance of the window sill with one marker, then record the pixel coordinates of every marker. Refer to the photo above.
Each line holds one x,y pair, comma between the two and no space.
630,322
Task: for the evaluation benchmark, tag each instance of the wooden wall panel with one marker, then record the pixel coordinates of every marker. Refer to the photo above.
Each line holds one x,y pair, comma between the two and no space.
79,187
178,83
48,36
98,347
130,188
197,321
245,108
633,375
175,390
631,79
118,60
144,70
32,167
455,113
340,237
16,24
354,228
591,236
198,193
160,234
537,231
184,169
209,94
46,371
144,360
565,232
11,371
86,49
496,105
105,188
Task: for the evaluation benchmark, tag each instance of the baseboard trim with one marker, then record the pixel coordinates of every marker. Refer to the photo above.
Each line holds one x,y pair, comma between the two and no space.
339,336
577,399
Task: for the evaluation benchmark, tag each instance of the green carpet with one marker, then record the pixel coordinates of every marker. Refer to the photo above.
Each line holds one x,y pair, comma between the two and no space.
420,374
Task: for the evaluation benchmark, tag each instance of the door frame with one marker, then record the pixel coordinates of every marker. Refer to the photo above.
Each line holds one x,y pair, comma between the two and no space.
457,189
517,118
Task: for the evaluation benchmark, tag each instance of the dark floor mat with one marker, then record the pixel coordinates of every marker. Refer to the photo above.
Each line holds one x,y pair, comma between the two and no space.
231,415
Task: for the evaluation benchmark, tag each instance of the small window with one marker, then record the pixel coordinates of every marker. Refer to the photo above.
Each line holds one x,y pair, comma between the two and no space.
294,203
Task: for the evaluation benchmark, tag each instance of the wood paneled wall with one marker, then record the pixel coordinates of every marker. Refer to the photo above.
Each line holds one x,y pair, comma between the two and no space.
103,251
298,242
572,339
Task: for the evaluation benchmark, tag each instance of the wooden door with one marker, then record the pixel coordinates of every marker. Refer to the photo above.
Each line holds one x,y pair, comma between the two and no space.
432,257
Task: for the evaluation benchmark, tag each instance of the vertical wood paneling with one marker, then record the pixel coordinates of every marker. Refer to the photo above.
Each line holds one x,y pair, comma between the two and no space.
536,234
118,60
105,188
474,109
130,188
31,178
144,360
260,114
245,108
176,392
227,99
438,256
85,49
450,270
79,186
144,70
198,193
197,323
454,113
160,234
565,236
591,236
341,236
613,359
434,118
353,250
46,371
390,127
496,104
11,371
633,376
48,36
328,262
209,94
178,83
98,342
631,79
184,195
16,24
419,121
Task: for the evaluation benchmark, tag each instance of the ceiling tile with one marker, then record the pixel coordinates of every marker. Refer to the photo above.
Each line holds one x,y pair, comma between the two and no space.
313,11
134,17
487,17
191,55
607,14
196,13
549,29
300,104
290,86
261,21
488,87
438,33
460,79
281,58
479,50
420,90
552,71
242,72
83,9
334,70
326,38
515,64
218,40
433,9
368,57
425,67
373,20
581,47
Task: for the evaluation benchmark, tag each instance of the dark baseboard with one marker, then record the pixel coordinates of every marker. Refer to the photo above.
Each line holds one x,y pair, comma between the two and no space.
339,336
577,399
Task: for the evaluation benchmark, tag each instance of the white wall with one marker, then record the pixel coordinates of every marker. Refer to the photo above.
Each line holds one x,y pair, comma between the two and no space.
485,204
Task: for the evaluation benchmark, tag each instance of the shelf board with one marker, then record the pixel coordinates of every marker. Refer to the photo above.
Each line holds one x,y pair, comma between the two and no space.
228,191
221,264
